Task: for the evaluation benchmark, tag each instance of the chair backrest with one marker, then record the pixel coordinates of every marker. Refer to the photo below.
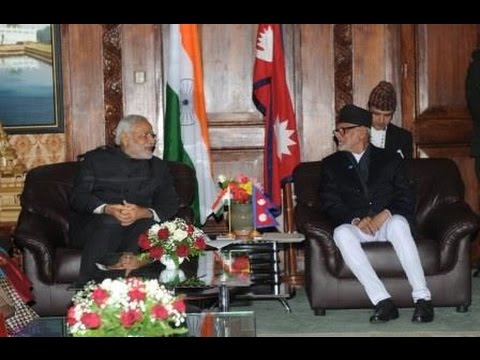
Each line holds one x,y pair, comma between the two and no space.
435,181
47,190
48,187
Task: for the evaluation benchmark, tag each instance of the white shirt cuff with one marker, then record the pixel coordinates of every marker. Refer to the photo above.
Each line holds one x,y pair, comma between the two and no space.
100,209
155,216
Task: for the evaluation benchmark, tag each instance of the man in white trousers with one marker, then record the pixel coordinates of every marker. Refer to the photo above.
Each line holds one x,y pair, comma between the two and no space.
368,197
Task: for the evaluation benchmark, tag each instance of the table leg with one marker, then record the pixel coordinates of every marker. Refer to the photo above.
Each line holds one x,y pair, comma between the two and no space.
224,298
285,304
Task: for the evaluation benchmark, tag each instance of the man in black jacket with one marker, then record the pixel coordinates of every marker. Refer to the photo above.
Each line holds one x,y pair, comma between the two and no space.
382,104
118,193
367,195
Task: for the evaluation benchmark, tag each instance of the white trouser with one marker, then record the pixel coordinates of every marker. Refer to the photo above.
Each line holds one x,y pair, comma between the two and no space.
396,229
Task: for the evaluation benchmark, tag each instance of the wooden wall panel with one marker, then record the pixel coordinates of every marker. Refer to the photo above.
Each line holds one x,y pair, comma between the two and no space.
442,66
85,112
443,59
436,59
376,49
226,162
138,54
67,91
228,57
236,128
317,119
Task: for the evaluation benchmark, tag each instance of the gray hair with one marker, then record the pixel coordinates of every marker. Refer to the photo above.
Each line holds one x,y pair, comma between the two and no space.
125,125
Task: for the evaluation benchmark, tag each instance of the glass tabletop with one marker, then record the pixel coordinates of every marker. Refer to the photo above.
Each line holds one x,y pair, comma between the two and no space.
221,324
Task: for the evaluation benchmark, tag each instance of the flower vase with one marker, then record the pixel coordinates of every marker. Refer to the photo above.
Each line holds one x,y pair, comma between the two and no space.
170,263
172,273
241,218
172,276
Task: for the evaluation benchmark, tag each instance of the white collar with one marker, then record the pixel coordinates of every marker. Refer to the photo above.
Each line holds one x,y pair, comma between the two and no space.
377,137
358,156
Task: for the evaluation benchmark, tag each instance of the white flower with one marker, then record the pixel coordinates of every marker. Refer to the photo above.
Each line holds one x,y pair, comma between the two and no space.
154,229
171,226
179,235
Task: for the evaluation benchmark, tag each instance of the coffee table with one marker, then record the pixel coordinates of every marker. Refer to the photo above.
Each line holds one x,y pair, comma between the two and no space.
217,285
269,270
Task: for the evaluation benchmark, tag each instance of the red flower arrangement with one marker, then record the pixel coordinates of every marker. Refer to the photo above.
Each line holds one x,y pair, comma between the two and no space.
240,187
175,239
126,307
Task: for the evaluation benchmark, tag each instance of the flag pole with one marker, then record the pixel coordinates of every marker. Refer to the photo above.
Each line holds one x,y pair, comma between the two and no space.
229,197
254,234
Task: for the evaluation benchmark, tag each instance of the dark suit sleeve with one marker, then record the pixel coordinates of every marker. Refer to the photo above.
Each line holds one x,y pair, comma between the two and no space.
400,139
165,198
331,202
403,201
407,145
82,199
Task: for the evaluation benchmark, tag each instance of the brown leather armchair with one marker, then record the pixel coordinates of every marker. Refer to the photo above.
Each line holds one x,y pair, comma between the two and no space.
445,226
42,231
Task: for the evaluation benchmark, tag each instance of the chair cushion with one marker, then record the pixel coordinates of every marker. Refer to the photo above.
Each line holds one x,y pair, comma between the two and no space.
67,265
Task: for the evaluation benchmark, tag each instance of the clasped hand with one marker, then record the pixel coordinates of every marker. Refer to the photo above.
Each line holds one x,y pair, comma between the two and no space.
127,213
370,225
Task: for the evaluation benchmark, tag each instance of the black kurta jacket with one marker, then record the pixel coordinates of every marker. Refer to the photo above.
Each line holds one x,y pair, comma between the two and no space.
343,197
107,175
399,139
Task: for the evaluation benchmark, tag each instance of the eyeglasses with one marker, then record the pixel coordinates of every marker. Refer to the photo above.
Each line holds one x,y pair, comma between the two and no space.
343,130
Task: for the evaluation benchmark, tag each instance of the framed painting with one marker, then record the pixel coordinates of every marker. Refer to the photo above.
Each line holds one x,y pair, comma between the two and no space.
30,78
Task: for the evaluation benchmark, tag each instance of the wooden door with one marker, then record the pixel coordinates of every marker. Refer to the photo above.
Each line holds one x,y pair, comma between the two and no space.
435,61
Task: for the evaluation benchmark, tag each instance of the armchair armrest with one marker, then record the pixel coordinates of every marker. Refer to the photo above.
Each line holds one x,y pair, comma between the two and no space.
318,233
323,235
449,223
39,236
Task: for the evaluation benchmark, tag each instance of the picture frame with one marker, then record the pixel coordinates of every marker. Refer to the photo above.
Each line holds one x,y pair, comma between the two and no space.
31,99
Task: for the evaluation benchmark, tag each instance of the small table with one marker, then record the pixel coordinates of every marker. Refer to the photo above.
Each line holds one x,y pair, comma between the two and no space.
206,271
291,275
290,266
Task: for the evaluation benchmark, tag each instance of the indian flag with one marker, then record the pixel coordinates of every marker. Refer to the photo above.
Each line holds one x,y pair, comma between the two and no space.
185,128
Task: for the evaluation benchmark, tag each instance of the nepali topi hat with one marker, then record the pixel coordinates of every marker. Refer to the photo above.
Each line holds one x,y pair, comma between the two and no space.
355,115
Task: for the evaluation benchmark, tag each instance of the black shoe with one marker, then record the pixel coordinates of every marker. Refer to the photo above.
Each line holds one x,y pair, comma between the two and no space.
423,311
385,310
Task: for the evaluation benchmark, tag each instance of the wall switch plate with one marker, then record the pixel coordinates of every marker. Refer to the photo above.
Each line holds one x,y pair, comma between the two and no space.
139,77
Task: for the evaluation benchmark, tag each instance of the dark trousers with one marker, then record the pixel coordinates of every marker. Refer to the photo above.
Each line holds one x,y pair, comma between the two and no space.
100,235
